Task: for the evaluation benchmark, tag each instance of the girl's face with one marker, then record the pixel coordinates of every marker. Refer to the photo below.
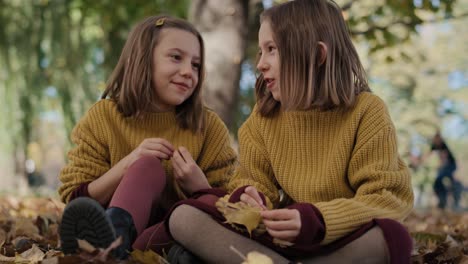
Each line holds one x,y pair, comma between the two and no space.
176,65
269,63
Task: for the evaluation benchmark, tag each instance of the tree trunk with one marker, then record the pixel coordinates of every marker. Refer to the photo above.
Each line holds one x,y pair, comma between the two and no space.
20,176
223,25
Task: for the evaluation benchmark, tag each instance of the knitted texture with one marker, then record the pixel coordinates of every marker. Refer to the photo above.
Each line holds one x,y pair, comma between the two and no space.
344,162
104,136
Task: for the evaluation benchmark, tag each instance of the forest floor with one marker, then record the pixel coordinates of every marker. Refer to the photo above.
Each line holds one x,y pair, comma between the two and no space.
29,234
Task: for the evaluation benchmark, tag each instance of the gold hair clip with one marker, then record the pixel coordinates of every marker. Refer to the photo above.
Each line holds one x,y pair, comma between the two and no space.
160,22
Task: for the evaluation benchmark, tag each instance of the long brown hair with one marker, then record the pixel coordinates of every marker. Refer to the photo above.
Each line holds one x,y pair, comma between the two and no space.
298,27
130,84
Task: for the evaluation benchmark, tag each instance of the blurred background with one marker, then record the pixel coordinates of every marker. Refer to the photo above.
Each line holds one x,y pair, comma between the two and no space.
56,55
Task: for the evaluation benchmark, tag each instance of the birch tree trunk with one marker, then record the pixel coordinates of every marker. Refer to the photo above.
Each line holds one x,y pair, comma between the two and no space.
224,27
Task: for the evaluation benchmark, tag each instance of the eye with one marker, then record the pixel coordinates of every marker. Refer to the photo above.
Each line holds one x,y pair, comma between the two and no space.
176,57
196,66
271,48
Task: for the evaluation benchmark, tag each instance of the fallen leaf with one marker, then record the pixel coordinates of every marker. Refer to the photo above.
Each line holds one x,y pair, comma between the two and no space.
25,227
53,260
86,246
146,257
464,260
255,257
52,253
6,259
104,254
33,255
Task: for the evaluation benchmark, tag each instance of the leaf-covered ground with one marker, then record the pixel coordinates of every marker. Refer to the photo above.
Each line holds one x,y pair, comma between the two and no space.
29,234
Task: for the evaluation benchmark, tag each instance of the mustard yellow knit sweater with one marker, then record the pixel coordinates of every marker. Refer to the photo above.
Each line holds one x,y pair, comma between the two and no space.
104,136
345,163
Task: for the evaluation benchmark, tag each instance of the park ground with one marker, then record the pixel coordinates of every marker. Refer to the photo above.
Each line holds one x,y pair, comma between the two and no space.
29,234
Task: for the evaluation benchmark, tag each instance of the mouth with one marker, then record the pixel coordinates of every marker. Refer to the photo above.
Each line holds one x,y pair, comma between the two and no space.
182,86
269,82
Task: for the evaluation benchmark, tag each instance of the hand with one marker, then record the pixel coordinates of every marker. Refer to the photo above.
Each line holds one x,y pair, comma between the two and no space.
283,224
157,147
187,173
252,197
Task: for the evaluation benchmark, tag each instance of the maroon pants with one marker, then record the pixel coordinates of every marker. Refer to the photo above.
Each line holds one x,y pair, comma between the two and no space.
140,193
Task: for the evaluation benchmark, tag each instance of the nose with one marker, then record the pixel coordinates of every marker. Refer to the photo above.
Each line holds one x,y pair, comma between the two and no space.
262,65
186,70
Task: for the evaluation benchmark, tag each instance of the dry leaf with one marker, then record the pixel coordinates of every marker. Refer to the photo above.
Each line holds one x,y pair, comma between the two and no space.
86,246
6,259
240,213
444,238
52,253
25,227
91,253
53,260
104,254
439,236
255,257
33,255
146,257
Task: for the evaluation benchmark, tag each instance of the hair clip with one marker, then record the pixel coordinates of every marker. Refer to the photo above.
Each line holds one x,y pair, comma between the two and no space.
160,22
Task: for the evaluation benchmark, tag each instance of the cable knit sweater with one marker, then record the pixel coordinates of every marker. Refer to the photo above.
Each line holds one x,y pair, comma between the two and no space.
344,163
104,136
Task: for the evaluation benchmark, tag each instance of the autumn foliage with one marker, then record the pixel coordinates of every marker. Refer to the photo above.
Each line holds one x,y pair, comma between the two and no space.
29,234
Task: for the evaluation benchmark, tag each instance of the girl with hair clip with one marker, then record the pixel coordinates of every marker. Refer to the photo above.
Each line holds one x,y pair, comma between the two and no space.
148,143
319,136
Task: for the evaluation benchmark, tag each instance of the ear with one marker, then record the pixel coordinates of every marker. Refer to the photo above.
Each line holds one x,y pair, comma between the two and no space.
323,49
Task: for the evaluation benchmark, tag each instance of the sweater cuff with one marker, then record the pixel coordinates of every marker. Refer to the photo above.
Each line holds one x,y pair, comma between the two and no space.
81,191
312,225
214,191
235,196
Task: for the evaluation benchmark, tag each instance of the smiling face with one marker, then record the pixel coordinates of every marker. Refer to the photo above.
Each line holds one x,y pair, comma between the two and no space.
269,64
176,66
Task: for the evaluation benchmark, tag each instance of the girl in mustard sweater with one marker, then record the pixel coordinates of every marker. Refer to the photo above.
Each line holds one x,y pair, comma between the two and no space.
146,144
318,154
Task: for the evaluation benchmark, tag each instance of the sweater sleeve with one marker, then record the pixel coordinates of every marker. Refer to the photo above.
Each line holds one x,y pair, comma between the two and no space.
217,159
88,160
379,177
255,167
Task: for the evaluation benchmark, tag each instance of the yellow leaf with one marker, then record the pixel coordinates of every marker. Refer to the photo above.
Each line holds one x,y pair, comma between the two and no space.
255,257
146,257
247,216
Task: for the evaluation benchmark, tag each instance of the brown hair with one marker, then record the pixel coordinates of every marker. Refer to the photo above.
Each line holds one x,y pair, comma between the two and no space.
130,84
297,27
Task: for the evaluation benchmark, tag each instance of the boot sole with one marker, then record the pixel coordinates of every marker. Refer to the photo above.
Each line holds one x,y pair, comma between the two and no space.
84,218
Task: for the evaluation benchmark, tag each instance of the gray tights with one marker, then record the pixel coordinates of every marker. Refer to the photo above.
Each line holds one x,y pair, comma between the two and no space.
203,236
